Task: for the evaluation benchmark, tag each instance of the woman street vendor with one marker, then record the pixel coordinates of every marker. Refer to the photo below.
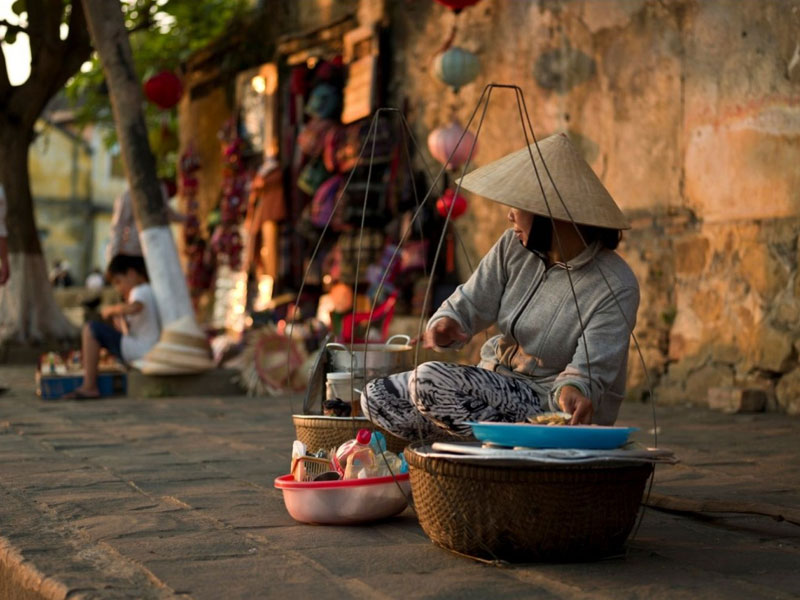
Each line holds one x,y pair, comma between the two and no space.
565,304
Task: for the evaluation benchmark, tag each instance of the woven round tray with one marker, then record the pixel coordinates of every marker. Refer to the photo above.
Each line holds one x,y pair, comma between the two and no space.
323,433
523,514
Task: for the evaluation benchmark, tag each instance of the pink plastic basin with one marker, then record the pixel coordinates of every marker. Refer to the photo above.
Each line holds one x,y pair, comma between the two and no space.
346,501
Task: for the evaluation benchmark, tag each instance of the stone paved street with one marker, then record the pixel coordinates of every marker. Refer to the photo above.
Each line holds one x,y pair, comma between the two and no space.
132,498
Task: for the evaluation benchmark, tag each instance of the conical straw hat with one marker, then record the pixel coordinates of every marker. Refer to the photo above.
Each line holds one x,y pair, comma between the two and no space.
183,348
152,368
511,180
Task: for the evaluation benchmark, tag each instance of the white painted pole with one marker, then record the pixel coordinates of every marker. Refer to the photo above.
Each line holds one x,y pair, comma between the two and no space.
166,275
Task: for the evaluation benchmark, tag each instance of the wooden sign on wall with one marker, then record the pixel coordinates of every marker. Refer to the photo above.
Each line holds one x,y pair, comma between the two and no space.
361,56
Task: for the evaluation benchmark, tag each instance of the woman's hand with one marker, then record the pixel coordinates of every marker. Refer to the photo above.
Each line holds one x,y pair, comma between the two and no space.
444,332
571,400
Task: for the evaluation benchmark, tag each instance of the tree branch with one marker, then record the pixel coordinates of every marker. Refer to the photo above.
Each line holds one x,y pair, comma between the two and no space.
13,27
146,20
44,21
56,60
5,83
145,23
78,45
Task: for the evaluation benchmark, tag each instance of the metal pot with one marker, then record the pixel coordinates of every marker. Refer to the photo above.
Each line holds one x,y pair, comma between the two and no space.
380,360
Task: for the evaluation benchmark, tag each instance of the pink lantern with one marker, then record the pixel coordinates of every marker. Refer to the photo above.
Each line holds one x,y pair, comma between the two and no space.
449,197
445,140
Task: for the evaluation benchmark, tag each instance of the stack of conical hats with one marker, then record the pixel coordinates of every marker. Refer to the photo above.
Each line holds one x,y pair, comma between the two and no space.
182,349
512,180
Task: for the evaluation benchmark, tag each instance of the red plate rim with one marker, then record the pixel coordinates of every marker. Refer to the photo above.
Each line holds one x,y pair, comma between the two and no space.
287,482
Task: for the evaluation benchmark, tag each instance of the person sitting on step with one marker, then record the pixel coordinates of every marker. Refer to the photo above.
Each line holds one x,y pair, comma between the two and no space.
136,325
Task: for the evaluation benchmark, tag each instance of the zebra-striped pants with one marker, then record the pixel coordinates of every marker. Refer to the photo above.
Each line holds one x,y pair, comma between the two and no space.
441,396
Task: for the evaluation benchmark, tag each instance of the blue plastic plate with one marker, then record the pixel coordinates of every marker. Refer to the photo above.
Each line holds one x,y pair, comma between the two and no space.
584,437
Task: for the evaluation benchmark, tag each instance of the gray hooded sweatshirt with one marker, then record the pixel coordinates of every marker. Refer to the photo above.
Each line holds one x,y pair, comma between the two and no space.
540,340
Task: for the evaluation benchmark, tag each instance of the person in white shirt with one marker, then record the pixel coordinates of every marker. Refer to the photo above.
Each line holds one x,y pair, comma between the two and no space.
136,324
4,267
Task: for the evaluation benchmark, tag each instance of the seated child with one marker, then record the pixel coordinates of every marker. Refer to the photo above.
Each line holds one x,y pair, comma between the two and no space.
136,325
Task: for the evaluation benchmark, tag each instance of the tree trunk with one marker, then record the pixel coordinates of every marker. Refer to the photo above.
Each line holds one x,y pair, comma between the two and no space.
110,38
28,310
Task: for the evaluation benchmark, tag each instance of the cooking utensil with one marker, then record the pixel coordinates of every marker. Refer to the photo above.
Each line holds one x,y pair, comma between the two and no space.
372,360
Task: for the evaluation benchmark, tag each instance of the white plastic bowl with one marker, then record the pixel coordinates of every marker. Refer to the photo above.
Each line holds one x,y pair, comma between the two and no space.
345,501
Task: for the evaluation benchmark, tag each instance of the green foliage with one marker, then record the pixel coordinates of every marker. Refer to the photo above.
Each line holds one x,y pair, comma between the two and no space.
164,34
18,7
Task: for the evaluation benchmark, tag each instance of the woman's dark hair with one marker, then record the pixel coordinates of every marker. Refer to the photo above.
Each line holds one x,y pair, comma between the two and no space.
610,238
122,263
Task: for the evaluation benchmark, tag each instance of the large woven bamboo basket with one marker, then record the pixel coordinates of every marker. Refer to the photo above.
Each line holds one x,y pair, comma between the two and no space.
543,513
319,432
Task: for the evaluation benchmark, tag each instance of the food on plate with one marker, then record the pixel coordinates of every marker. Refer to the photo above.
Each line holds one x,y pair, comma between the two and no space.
551,418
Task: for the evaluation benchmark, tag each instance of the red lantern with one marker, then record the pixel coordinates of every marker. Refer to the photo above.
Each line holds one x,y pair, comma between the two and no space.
170,186
457,5
449,197
164,89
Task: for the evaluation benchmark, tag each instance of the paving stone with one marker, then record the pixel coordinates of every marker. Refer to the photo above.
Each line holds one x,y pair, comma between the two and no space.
176,544
361,561
81,477
142,498
462,582
199,486
300,537
246,578
133,523
46,557
263,513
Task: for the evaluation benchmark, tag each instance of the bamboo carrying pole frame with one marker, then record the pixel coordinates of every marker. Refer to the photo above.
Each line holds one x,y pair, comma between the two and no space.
530,139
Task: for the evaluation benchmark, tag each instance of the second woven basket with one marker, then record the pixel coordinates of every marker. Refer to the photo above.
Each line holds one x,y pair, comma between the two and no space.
547,513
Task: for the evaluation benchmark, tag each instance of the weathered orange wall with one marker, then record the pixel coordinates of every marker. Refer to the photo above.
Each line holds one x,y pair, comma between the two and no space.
690,113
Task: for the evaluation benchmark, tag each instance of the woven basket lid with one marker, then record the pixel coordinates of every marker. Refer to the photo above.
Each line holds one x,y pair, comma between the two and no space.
511,180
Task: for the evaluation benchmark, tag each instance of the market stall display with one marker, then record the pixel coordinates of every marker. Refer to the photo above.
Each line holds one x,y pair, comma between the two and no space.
59,374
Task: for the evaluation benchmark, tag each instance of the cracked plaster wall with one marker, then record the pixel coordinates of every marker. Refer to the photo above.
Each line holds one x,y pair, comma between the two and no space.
690,113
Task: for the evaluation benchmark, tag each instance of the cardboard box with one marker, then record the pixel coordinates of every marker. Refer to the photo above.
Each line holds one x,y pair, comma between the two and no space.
52,387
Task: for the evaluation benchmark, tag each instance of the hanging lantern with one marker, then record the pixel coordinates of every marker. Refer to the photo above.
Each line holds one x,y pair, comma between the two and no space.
164,89
456,67
449,197
445,140
457,5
